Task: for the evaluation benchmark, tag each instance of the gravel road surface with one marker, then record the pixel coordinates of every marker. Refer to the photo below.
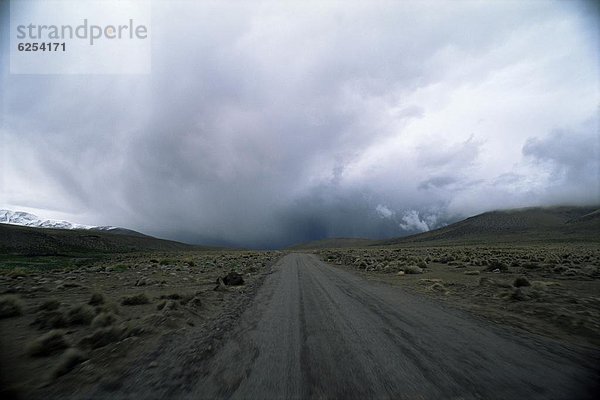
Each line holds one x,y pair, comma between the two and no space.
316,331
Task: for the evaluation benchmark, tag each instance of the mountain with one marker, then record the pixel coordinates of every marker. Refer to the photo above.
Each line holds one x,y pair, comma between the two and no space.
525,225
536,224
23,233
26,219
32,241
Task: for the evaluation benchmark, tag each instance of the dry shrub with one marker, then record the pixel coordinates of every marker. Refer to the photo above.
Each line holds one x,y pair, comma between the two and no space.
103,336
69,360
10,306
81,315
49,305
51,320
519,295
104,319
437,287
47,344
412,269
134,300
96,299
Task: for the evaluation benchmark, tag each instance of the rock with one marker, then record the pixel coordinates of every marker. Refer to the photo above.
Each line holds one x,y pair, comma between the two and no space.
521,282
153,364
233,279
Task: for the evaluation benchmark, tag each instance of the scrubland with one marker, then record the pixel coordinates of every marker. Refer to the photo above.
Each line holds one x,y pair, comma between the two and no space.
68,326
552,290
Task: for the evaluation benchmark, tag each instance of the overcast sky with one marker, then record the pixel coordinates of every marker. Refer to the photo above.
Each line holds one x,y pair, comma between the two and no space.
270,124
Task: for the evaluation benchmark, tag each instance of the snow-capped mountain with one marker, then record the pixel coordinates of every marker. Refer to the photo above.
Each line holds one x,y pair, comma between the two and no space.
27,219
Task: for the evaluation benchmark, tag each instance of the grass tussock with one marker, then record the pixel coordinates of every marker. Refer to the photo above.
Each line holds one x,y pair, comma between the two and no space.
104,319
134,300
413,269
10,306
103,336
47,344
49,305
69,360
81,315
472,272
96,299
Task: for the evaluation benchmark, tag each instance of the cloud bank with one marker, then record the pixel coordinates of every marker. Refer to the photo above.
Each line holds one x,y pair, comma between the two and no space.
269,124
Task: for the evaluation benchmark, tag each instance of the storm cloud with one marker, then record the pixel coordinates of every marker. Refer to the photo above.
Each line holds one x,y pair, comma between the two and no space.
269,124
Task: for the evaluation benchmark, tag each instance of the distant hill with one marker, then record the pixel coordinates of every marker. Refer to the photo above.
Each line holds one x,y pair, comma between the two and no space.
24,240
548,224
333,243
530,225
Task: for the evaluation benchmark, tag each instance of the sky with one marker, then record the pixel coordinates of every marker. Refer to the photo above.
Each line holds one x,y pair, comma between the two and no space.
265,124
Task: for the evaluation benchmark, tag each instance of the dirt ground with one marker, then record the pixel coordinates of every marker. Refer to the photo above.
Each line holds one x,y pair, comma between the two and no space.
64,330
68,329
551,290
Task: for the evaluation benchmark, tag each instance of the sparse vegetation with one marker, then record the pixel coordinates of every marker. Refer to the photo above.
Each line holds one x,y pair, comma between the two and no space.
47,344
69,360
51,320
135,300
10,306
472,272
550,284
80,315
104,319
49,305
74,300
103,336
96,299
412,269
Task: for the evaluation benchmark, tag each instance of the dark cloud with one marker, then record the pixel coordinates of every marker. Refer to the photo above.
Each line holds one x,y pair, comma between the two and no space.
572,160
437,182
266,125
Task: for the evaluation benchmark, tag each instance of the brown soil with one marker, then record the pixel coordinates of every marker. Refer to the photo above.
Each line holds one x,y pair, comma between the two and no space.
114,314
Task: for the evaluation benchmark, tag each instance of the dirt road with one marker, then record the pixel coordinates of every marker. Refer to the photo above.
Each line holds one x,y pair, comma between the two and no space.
316,331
